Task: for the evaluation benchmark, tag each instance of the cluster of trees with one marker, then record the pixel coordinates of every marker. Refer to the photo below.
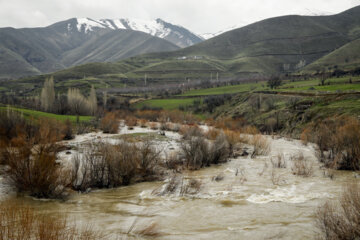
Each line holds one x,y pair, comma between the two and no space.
74,102
274,82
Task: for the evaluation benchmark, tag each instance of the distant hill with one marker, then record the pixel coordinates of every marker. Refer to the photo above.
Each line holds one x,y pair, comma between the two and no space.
32,51
278,45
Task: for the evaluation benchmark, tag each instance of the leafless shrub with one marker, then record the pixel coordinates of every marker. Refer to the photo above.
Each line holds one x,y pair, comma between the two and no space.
131,122
170,127
276,177
341,219
109,123
261,145
171,186
90,169
20,222
189,132
191,187
173,161
153,125
143,123
301,166
338,139
196,152
82,128
234,139
33,169
212,133
278,161
106,165
219,150
148,159
122,160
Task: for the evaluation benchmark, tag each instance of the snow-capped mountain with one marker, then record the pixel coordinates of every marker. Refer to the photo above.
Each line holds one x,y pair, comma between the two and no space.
178,35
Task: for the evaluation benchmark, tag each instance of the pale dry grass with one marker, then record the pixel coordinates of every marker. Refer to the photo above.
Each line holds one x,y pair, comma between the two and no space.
341,219
261,145
302,166
278,161
20,222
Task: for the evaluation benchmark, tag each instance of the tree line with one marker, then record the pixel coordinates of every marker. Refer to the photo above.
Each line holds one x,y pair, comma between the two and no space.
74,102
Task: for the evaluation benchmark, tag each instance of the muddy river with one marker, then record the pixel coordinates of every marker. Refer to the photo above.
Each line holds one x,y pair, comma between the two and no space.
242,199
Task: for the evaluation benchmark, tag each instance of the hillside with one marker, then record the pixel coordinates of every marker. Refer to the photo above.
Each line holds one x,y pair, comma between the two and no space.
32,51
345,58
273,46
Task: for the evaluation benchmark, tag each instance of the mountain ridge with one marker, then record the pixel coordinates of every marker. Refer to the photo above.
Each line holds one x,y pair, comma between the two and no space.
32,51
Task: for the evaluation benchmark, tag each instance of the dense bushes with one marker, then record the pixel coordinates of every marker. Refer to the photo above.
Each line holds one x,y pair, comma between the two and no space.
15,129
212,102
110,123
199,152
106,165
31,159
33,169
28,148
338,139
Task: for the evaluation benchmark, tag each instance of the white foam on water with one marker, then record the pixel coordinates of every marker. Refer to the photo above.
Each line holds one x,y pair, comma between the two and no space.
285,194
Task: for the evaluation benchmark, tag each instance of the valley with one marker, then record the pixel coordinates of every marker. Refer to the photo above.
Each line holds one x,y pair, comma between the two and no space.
116,127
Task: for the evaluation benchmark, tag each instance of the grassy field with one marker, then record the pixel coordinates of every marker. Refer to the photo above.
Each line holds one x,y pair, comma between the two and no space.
37,114
166,104
246,87
331,85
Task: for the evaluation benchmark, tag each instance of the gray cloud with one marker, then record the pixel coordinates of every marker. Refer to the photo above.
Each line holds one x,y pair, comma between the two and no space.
199,16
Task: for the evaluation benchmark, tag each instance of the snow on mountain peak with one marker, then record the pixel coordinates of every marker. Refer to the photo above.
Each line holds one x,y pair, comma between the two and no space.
87,24
157,27
153,27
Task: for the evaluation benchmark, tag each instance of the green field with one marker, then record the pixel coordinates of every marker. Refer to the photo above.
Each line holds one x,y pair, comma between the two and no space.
246,87
331,85
166,104
37,114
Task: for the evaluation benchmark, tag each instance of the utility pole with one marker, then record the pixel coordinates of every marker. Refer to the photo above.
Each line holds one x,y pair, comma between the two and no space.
217,76
145,79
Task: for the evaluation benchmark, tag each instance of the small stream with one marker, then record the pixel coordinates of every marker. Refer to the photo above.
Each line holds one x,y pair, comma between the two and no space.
243,204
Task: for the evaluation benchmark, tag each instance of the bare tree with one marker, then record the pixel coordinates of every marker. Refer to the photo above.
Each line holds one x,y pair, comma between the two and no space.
77,102
47,97
93,101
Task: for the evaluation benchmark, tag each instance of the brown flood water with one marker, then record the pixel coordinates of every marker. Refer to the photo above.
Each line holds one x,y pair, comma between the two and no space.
244,205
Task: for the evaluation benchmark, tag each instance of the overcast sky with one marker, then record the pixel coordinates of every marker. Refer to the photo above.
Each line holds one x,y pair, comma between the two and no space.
200,16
